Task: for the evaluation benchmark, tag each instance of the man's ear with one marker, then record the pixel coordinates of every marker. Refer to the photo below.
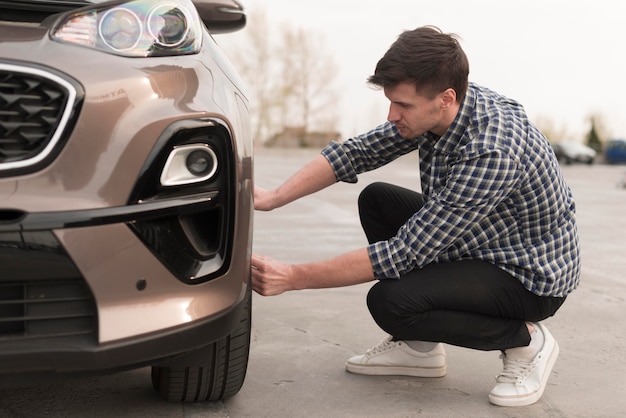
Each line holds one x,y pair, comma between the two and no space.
448,97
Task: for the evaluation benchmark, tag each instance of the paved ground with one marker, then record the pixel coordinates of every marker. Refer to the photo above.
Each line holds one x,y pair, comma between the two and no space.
302,339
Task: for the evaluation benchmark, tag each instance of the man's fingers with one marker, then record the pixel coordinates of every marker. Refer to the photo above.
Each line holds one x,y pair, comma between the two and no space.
258,263
257,274
267,276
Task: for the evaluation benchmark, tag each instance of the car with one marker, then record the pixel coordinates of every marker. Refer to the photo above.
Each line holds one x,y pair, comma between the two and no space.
569,152
615,151
125,195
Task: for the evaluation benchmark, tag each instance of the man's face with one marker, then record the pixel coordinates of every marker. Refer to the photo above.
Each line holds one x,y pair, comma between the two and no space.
414,114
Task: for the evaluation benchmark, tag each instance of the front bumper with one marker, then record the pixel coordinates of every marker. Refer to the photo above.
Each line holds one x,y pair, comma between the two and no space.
41,359
62,313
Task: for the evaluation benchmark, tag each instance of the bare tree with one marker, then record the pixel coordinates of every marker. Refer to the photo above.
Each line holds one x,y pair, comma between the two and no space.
289,74
308,74
255,60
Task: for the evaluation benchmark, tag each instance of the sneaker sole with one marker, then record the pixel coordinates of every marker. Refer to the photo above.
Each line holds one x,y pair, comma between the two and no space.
535,396
396,371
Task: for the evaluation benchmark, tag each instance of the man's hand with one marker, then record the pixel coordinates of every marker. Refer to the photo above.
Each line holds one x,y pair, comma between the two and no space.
264,199
270,277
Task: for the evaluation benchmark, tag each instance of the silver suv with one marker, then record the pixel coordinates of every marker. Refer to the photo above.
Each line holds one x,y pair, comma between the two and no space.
125,194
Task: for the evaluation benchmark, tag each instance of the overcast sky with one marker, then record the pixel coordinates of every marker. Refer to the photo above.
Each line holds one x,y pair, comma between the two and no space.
563,60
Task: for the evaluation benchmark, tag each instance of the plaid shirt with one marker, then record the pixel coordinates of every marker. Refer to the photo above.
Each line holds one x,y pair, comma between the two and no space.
493,191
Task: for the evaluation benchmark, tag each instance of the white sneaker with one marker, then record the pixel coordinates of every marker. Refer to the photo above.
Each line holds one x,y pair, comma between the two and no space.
522,382
397,358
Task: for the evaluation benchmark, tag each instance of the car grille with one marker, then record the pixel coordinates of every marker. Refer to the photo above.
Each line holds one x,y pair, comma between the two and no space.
35,106
61,309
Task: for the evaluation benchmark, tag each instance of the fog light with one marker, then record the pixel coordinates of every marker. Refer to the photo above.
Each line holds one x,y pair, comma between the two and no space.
199,162
189,164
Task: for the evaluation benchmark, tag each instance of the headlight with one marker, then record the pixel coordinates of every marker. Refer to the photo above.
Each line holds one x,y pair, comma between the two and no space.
138,28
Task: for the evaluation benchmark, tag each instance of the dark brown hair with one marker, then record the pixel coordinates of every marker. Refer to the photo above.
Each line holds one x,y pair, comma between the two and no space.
430,59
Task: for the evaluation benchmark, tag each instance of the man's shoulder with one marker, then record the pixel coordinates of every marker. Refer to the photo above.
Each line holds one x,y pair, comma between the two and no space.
482,93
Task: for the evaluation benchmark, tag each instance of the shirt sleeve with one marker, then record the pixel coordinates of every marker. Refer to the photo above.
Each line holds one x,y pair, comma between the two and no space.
474,186
366,152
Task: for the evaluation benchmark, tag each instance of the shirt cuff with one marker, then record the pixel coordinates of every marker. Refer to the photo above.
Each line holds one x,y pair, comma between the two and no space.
382,261
340,162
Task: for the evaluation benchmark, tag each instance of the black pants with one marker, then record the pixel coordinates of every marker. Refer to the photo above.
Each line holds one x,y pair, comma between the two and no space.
468,303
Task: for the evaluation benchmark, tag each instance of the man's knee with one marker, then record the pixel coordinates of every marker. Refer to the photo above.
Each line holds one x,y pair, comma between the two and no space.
371,192
382,302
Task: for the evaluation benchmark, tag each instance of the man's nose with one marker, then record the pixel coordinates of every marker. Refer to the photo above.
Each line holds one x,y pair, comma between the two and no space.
393,115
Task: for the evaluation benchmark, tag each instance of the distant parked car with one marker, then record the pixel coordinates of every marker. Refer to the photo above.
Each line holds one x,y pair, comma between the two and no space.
615,151
574,152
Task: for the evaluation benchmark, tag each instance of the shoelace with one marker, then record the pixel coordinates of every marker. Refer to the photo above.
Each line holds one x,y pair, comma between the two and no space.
514,370
384,345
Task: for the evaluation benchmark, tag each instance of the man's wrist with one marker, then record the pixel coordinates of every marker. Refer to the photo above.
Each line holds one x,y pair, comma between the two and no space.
298,274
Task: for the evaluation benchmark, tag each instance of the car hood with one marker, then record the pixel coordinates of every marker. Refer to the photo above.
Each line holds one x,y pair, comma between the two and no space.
38,10
58,4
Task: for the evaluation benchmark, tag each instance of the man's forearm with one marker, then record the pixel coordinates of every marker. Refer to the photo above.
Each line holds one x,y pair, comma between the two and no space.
347,269
313,177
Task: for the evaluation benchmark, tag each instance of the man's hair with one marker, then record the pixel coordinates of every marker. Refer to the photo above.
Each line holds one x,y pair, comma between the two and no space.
430,59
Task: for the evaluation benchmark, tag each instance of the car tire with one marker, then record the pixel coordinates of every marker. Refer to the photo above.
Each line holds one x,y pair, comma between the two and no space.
222,374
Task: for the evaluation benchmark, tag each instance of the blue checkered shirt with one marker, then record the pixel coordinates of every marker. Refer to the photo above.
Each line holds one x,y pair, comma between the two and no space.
493,191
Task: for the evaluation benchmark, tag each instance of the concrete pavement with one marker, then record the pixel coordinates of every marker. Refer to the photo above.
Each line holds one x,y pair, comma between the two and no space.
301,339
